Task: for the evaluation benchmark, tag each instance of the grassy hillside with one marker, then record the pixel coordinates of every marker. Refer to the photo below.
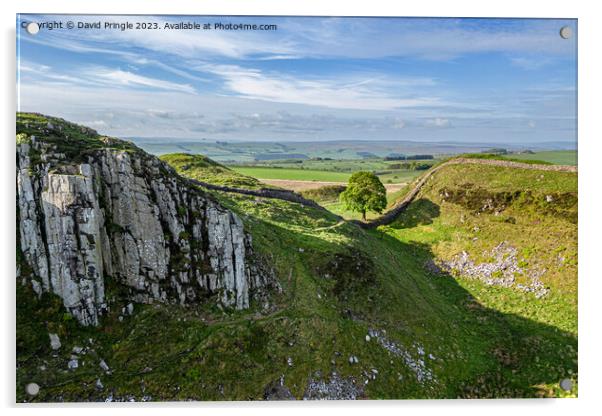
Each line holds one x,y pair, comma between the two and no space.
203,169
365,312
552,157
474,208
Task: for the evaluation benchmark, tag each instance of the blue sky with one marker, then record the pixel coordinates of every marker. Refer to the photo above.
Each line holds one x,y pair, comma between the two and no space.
423,79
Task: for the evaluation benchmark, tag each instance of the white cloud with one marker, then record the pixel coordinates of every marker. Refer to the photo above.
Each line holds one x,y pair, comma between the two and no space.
366,94
439,122
125,78
32,73
531,63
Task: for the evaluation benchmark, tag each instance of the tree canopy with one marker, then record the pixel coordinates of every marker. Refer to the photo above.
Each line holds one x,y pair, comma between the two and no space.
365,192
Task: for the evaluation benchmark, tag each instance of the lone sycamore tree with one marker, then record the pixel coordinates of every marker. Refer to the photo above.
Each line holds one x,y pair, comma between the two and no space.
365,192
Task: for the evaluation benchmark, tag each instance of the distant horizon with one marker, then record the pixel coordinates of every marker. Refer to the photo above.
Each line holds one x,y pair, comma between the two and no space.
309,79
417,141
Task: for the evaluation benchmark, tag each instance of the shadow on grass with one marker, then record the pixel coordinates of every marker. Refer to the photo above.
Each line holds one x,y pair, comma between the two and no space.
420,212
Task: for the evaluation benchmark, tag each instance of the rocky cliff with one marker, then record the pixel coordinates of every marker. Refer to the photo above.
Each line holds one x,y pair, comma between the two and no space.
94,211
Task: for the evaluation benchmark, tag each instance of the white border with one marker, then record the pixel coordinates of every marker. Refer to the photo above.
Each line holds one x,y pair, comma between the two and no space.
590,113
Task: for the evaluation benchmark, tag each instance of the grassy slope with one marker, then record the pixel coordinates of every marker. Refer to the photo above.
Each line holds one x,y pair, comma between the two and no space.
204,169
204,353
544,240
552,157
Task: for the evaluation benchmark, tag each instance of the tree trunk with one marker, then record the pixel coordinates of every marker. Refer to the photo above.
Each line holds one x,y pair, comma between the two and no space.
364,215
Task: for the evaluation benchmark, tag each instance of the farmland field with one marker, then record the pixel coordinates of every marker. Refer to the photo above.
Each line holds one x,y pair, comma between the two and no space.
557,157
327,170
292,174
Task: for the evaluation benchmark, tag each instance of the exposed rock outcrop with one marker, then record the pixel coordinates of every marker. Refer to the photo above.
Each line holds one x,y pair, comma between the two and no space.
120,216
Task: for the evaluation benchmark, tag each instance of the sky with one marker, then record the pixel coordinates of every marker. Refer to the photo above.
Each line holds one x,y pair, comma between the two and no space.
310,79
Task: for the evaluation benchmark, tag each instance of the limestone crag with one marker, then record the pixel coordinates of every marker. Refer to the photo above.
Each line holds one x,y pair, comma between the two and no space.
127,217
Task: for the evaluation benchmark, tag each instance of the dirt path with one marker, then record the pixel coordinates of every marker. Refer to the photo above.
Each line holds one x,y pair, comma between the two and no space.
300,186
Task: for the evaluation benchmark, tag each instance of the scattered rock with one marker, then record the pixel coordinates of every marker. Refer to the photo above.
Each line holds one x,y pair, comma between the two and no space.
130,308
353,360
502,271
367,338
73,364
336,388
278,391
418,366
77,350
566,384
55,342
99,384
289,361
104,365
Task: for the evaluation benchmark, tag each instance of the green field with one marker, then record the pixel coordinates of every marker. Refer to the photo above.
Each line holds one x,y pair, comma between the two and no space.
328,171
557,157
292,174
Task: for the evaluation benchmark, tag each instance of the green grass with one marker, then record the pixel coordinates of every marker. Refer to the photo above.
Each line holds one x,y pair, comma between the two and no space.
398,176
203,169
292,174
297,174
556,157
328,193
334,165
74,141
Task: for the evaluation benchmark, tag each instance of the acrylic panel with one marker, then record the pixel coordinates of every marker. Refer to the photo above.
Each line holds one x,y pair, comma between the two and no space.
234,208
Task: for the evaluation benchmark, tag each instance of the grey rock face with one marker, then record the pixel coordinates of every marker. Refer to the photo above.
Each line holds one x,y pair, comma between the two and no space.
128,216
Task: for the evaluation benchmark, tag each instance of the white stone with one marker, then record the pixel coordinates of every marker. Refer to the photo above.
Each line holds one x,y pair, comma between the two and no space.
104,365
55,342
